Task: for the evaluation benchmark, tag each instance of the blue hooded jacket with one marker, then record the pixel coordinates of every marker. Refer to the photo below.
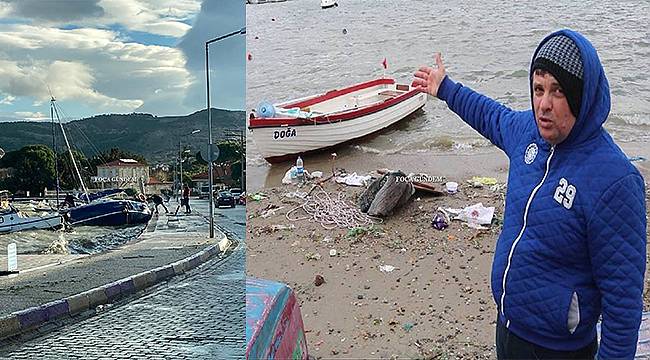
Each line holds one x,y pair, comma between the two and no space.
573,243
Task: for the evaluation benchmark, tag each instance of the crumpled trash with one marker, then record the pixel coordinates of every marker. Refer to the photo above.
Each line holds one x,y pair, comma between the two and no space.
386,268
271,211
353,179
291,175
317,174
319,280
636,158
282,227
258,196
440,219
479,181
477,214
312,256
296,194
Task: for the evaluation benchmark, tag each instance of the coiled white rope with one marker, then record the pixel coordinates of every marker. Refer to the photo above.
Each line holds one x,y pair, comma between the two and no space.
331,211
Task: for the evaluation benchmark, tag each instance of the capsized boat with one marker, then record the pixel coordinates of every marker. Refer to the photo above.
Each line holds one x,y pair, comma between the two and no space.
283,131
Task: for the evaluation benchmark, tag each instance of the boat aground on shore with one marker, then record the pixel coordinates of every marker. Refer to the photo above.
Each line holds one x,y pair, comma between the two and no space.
12,220
283,131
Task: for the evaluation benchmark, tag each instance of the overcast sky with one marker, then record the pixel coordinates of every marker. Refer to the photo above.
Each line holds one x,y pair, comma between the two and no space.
119,56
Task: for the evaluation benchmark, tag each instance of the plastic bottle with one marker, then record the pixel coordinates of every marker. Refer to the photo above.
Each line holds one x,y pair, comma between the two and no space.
300,170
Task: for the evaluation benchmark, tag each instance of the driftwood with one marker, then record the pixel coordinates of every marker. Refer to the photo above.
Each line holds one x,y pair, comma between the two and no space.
386,194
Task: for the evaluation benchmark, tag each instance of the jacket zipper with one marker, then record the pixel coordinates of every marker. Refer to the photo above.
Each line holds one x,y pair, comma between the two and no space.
521,232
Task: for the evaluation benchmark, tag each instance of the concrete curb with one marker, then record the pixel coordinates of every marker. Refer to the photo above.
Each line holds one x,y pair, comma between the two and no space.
31,318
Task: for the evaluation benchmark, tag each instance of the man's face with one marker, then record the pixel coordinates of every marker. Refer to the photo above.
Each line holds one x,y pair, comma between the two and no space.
552,113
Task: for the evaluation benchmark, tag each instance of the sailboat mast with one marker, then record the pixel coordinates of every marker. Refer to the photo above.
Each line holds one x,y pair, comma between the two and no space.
56,161
65,137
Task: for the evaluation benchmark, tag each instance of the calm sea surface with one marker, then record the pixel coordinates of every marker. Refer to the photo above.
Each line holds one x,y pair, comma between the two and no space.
298,49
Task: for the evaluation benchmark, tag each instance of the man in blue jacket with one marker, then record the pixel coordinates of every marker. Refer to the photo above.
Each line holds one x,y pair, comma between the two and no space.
573,243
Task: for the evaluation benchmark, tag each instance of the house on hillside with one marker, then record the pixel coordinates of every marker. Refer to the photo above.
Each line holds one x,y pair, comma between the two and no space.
122,173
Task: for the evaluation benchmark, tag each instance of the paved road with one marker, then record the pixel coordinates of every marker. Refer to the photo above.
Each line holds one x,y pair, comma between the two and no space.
231,221
197,316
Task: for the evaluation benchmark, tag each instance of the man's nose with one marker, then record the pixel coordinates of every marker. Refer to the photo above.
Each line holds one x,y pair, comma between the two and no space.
546,103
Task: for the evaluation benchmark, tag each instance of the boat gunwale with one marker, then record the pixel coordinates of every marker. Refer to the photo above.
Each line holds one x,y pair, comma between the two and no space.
345,115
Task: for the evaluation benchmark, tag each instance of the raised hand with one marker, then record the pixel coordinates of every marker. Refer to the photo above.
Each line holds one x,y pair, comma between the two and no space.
428,79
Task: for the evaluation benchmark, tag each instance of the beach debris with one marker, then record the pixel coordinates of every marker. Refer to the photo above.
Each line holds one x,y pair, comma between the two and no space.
270,211
333,162
287,179
475,226
259,196
319,280
359,231
407,326
312,256
282,227
451,187
356,231
317,174
440,220
480,181
476,214
353,179
333,252
423,185
291,176
296,194
330,211
345,31
386,268
498,188
386,194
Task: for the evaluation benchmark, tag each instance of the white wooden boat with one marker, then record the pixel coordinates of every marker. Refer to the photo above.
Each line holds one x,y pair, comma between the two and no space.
12,220
283,131
328,4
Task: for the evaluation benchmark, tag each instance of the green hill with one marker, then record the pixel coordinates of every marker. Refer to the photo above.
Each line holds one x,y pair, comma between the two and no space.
156,138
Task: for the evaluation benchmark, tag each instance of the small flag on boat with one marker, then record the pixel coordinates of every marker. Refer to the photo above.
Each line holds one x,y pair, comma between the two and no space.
385,64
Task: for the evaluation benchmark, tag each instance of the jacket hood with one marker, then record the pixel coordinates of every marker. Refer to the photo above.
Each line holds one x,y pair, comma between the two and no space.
595,104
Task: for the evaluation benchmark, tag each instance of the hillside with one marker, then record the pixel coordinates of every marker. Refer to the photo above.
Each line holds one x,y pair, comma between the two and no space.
156,138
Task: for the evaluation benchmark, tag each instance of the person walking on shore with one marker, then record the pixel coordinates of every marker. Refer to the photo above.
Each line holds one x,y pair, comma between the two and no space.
573,243
186,199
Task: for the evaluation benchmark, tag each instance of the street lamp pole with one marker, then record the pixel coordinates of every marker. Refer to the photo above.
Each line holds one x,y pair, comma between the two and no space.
210,144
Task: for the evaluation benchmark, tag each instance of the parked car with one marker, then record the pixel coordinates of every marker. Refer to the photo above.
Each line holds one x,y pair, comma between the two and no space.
204,192
225,198
236,193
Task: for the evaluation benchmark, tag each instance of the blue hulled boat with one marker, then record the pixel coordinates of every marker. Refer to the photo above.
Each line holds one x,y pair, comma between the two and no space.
97,209
109,213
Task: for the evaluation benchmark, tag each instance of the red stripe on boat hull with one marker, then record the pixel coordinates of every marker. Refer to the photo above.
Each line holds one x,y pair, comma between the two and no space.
292,157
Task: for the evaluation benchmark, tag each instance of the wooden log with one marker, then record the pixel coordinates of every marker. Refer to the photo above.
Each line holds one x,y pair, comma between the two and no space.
369,194
393,194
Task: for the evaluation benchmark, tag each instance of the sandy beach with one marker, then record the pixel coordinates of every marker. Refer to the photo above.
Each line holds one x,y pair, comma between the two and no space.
436,303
